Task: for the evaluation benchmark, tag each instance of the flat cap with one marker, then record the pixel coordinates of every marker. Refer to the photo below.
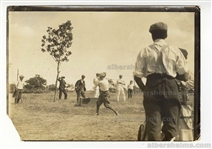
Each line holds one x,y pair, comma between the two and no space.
83,76
63,77
158,26
21,76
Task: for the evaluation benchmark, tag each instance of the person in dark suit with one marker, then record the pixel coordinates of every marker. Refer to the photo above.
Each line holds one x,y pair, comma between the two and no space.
62,87
80,89
130,89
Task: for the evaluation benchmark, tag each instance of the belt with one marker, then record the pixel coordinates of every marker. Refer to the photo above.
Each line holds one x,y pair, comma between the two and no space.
157,78
104,91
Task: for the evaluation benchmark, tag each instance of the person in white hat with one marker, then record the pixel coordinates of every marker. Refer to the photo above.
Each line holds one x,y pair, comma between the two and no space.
120,88
160,64
104,93
96,87
19,89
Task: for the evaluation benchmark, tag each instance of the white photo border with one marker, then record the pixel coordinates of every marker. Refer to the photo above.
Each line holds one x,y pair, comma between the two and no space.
7,134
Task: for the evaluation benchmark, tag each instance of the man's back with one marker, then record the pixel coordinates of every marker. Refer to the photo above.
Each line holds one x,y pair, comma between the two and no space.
161,58
160,64
62,84
80,84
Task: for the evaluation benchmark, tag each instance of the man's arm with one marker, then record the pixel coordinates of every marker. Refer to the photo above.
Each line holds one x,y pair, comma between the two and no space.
139,83
84,86
182,67
77,85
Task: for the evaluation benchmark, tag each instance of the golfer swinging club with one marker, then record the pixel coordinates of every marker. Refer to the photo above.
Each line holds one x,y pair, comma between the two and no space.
104,93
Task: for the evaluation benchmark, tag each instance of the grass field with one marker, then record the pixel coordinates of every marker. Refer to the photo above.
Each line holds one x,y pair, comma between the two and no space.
37,117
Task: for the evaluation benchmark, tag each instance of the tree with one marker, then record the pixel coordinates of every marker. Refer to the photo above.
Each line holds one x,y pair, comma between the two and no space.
56,43
70,87
51,87
35,84
12,88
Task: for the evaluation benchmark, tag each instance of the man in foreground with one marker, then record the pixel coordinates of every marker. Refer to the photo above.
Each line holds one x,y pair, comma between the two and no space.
160,63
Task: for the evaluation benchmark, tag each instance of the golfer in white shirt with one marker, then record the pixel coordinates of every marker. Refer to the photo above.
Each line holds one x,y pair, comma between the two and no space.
104,93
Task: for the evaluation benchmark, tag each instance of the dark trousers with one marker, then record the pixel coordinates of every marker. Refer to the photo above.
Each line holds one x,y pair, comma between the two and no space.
104,98
130,93
18,95
64,92
162,107
80,92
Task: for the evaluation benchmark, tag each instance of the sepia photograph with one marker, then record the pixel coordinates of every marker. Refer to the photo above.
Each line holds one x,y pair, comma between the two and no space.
104,73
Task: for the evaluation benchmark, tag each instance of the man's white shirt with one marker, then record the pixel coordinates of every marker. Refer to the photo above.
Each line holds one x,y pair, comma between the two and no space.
154,59
120,84
20,84
104,85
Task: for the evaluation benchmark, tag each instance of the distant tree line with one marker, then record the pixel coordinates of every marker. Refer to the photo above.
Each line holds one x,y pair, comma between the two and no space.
37,84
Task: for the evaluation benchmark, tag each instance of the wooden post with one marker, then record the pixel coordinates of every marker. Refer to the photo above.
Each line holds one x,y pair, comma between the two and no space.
17,74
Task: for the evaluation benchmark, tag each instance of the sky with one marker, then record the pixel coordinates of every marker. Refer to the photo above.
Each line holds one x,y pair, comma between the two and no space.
102,41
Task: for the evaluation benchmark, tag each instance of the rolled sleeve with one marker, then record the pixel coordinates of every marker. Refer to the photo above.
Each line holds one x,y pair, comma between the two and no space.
139,65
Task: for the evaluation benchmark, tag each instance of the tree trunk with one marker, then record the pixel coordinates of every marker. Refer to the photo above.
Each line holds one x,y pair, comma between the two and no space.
58,71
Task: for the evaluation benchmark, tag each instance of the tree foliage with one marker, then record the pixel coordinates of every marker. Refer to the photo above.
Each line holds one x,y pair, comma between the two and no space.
70,87
51,87
57,42
35,83
12,88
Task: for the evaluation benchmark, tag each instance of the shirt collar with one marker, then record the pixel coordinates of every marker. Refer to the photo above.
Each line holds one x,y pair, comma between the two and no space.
160,42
